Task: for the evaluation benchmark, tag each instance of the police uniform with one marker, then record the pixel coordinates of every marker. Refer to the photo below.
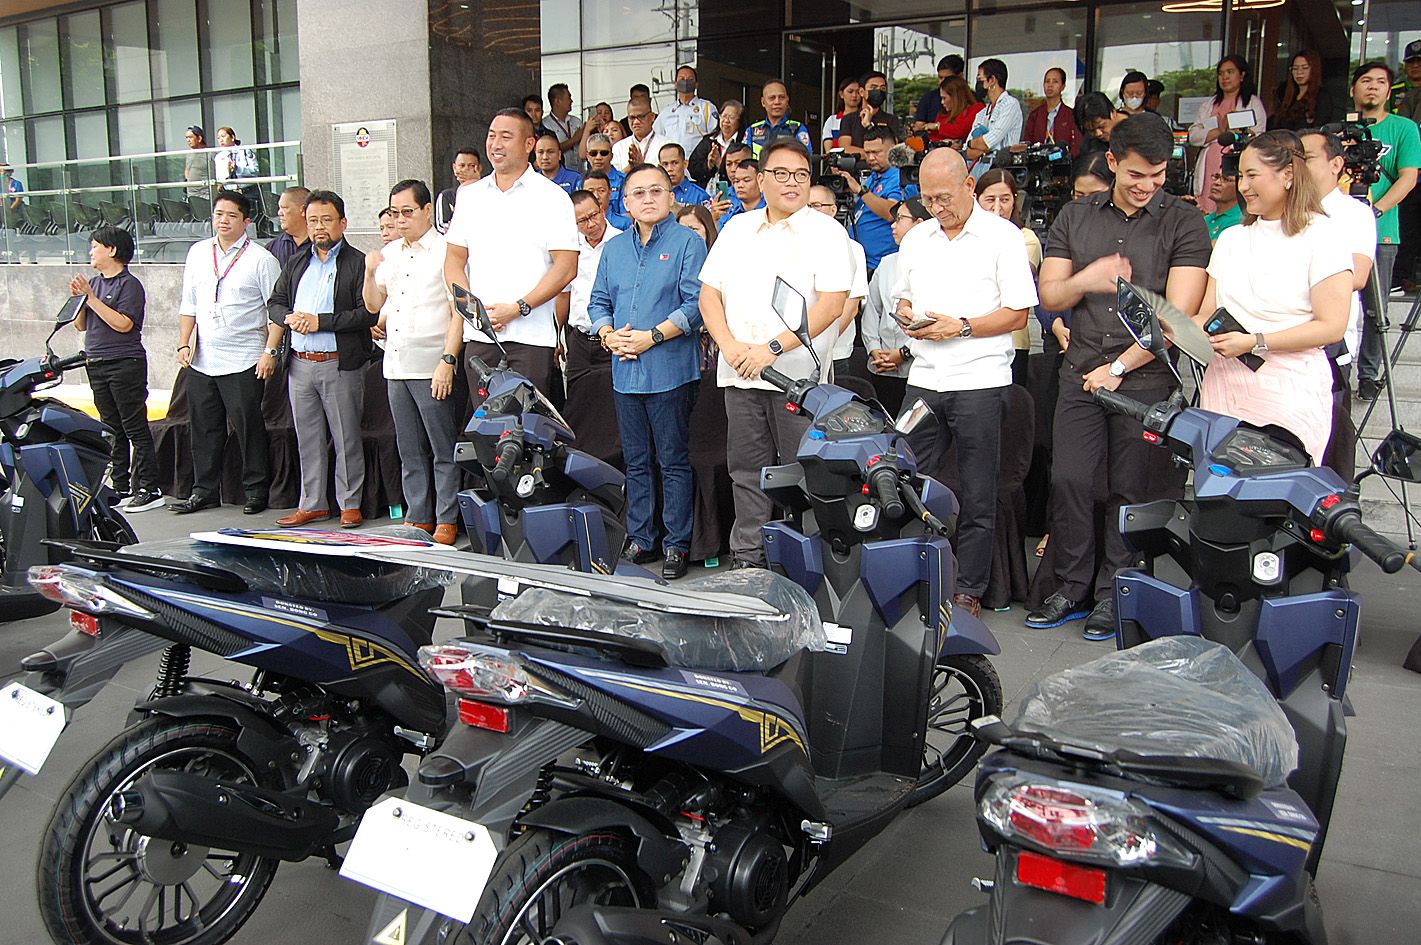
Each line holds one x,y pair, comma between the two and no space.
761,133
688,192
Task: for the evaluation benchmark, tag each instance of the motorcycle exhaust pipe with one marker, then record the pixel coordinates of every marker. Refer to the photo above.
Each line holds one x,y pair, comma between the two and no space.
175,805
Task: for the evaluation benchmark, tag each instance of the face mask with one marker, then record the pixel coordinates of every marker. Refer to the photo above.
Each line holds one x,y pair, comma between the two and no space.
876,97
1134,103
980,89
685,86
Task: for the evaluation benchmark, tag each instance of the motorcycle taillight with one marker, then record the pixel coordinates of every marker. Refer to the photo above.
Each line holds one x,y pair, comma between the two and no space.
488,674
83,590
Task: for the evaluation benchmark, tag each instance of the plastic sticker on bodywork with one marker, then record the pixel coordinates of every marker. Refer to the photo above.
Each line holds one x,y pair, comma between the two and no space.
718,683
295,608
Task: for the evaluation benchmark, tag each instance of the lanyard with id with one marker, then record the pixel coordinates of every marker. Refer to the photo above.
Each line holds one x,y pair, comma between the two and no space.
219,276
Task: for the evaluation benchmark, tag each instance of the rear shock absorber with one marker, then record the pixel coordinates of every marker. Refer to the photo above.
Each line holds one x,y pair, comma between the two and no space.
172,670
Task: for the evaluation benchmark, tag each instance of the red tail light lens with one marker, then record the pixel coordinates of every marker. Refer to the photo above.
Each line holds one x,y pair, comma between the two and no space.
482,715
84,623
1058,819
1066,879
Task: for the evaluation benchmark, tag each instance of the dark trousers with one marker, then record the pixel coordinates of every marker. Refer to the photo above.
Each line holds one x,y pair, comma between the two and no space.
972,419
589,408
656,431
1369,361
532,361
120,388
1088,439
889,389
760,432
213,403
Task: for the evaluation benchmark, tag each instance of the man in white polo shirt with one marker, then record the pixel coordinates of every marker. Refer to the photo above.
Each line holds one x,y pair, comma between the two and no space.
513,243
810,251
404,285
966,274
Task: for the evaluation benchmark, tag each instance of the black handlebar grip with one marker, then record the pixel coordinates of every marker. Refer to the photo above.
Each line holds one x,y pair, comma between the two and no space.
65,364
782,381
883,481
477,363
508,454
1119,403
1350,528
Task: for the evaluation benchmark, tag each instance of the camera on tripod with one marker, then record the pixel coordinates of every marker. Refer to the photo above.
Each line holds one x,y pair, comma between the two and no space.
1043,175
1361,153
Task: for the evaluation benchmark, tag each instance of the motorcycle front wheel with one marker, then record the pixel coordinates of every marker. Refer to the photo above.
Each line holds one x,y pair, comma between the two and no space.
102,883
964,688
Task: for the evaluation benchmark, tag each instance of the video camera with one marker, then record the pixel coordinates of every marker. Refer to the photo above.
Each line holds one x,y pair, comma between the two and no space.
1361,153
826,177
1043,175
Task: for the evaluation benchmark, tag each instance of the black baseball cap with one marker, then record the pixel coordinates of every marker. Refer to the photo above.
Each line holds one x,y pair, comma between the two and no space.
197,130
1413,51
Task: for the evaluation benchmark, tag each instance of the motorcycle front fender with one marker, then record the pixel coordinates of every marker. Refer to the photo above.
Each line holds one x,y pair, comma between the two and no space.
967,634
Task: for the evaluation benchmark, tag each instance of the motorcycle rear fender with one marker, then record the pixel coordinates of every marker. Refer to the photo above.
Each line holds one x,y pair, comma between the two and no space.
258,736
659,855
74,673
967,634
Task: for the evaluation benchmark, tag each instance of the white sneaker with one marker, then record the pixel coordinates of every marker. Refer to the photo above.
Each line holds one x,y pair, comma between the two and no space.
144,500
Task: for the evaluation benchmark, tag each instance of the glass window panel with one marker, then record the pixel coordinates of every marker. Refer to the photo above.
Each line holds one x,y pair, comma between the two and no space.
169,121
10,104
1391,24
609,73
91,135
909,55
1029,44
128,49
229,37
83,59
48,136
1178,49
176,56
284,119
561,25
619,22
12,145
277,53
39,46
736,68
839,13
91,140
237,112
135,129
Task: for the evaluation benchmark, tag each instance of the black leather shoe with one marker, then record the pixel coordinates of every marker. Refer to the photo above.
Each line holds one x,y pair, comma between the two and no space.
675,564
194,503
1056,610
638,555
1100,625
254,507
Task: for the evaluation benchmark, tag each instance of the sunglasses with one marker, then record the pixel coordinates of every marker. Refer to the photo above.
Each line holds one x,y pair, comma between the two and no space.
599,153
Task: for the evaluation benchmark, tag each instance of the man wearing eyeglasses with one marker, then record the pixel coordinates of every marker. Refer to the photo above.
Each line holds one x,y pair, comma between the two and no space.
642,144
589,365
788,240
964,285
423,334
644,309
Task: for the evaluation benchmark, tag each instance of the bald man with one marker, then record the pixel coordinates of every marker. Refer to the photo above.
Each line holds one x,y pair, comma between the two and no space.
964,285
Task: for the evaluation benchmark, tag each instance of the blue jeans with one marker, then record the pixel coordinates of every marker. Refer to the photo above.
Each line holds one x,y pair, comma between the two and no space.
659,426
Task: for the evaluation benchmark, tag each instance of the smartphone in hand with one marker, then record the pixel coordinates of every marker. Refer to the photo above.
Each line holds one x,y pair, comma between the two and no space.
913,326
1221,323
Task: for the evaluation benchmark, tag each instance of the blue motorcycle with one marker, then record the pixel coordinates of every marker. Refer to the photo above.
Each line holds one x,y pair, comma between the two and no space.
1179,790
53,459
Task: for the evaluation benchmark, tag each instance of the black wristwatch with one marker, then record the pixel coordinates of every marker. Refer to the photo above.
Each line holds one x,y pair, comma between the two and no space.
775,347
656,336
906,353
449,359
523,308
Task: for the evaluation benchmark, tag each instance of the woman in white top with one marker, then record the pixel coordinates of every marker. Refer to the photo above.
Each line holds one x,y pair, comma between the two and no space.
850,101
1235,91
1285,275
883,336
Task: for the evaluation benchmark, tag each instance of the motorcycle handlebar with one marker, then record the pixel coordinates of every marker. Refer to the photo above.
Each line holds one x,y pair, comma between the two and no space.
1120,403
883,481
782,381
508,453
477,363
1350,528
69,363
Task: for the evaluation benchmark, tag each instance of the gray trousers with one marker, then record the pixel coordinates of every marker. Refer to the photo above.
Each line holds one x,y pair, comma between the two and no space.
425,430
326,401
759,432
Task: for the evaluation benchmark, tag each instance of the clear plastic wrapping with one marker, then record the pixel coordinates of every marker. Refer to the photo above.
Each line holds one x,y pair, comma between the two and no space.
714,643
1179,696
313,577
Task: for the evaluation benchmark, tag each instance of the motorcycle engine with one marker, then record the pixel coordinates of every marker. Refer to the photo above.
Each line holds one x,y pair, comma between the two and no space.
363,767
751,874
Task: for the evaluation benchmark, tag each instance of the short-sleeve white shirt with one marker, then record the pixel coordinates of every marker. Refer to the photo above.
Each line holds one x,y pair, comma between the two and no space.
416,309
580,291
510,236
1265,277
686,124
230,335
1360,226
983,269
808,250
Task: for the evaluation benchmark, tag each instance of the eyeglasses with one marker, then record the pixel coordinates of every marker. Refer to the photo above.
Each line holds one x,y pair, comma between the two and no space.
784,175
646,117
405,212
821,205
646,193
936,200
587,220
599,153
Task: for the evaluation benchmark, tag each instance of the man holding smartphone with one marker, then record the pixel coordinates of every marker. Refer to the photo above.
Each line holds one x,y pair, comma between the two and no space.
1137,232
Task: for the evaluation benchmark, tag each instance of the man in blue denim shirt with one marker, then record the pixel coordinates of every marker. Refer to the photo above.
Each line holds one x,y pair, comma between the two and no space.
645,310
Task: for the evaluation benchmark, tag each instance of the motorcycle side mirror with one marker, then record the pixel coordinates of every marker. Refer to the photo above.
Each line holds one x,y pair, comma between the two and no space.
1137,313
1398,456
68,313
911,418
792,311
478,317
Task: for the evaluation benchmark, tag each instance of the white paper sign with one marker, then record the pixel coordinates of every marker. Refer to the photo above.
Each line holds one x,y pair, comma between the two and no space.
30,724
426,857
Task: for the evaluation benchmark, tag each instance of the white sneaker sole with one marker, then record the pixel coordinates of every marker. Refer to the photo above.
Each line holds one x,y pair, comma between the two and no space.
157,503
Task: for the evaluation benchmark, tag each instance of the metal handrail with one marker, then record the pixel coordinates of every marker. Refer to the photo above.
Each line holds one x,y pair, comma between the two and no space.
270,146
165,185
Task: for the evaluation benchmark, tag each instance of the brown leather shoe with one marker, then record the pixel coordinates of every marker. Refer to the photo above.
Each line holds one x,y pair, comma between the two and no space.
299,518
446,534
426,527
351,518
973,605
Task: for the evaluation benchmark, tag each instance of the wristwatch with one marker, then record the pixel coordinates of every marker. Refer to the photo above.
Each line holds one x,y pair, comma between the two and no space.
1259,345
906,352
449,359
1377,212
523,308
272,352
656,336
966,331
775,347
1117,368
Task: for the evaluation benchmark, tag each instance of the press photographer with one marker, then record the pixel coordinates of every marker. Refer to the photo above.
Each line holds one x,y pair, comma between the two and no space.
872,220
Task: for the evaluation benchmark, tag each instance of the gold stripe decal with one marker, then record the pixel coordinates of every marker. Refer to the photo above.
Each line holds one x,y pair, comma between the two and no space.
774,730
1269,835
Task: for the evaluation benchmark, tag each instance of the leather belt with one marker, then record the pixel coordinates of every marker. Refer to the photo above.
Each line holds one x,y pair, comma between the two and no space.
316,356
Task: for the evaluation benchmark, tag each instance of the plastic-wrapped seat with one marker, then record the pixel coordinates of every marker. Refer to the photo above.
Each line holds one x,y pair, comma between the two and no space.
1176,697
727,644
312,577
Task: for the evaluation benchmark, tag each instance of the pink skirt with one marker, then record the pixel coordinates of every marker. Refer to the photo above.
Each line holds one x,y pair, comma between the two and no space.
1293,389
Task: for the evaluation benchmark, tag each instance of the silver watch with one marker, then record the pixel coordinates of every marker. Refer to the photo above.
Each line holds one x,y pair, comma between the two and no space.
1117,368
1259,345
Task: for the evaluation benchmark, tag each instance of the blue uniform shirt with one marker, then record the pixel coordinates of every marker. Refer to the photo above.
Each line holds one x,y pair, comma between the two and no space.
736,207
616,178
874,233
643,286
566,179
762,133
316,293
688,192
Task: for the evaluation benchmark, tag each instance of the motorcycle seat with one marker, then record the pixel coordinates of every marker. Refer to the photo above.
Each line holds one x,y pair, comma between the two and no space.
1169,701
725,644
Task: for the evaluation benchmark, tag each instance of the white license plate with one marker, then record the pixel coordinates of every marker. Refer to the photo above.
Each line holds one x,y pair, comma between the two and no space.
30,724
429,858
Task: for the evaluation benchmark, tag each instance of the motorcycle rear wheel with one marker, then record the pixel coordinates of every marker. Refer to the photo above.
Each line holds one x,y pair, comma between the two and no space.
101,883
964,688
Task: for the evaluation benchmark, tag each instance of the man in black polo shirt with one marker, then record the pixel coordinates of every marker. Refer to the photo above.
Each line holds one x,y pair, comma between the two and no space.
873,114
1137,232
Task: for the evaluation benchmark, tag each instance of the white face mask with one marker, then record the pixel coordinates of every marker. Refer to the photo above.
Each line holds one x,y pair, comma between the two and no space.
1134,103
